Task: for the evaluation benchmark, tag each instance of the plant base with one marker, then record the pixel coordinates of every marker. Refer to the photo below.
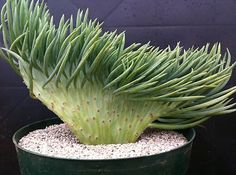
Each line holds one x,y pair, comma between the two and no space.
167,163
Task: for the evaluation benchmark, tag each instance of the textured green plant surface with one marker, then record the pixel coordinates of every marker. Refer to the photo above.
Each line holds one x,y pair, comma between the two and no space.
107,92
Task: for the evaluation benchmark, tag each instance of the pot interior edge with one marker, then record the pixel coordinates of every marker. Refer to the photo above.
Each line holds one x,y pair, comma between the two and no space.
188,133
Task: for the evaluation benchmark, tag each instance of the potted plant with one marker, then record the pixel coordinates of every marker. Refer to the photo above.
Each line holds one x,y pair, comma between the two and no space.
108,93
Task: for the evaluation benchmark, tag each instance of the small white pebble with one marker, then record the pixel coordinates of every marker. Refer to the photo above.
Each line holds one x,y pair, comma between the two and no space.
58,141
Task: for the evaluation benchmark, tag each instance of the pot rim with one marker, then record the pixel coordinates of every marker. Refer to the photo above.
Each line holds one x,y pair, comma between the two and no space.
77,159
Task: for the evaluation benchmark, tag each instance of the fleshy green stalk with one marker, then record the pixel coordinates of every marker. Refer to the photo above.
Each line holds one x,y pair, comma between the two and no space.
104,91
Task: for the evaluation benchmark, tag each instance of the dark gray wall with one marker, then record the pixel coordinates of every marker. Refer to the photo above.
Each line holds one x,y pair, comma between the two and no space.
163,22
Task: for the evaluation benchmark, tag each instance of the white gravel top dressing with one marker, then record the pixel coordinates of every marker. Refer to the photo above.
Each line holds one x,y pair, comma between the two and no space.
58,141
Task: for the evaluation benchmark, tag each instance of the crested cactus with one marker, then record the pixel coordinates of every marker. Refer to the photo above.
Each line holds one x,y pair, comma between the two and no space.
105,91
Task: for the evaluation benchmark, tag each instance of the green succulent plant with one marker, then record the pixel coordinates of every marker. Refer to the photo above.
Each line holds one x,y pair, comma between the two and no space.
105,91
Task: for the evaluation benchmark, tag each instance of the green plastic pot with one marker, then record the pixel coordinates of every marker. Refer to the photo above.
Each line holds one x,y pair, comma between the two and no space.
174,162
